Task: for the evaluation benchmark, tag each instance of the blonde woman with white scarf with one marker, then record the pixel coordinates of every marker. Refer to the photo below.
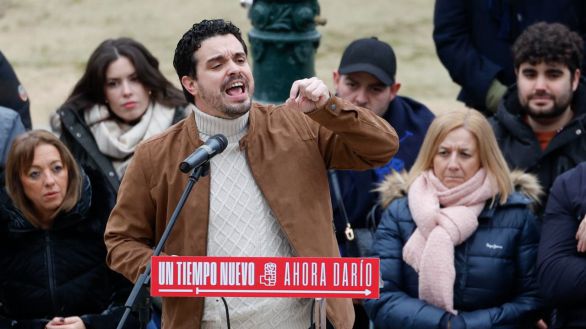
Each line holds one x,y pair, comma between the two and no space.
121,99
459,250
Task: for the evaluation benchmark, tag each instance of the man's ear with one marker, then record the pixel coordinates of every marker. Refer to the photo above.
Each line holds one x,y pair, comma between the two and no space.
336,75
395,88
190,85
576,80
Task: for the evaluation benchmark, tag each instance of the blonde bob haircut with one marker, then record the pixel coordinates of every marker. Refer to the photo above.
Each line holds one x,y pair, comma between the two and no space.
19,161
491,158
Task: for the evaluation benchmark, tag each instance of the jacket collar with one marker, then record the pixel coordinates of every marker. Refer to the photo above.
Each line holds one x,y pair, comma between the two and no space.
193,131
515,199
395,186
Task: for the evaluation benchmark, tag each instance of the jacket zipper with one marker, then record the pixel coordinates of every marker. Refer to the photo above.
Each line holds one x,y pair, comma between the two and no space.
50,270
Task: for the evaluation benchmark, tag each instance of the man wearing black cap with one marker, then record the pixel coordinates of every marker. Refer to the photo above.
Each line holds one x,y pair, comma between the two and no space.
366,77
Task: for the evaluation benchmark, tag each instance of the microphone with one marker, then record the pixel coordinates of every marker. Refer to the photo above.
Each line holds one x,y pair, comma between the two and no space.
213,146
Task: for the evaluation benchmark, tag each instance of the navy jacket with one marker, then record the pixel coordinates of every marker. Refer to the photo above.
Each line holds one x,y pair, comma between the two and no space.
562,270
12,93
495,283
411,120
473,38
521,148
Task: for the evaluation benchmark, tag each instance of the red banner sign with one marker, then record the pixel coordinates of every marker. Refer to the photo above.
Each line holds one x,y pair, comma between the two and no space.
298,277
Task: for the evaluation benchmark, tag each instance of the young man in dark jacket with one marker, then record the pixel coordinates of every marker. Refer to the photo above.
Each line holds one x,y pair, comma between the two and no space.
561,258
366,77
473,40
540,123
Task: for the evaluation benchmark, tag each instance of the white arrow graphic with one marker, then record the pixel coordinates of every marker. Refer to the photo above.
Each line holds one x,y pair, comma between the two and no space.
364,292
175,290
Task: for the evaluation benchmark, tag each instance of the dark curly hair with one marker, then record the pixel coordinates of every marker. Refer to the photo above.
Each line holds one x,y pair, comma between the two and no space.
89,90
549,43
184,61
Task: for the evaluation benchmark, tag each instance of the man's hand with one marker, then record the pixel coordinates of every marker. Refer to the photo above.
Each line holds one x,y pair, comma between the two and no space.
581,236
72,322
308,94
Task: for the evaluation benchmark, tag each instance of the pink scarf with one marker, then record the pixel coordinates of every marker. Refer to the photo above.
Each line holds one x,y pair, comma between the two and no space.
430,250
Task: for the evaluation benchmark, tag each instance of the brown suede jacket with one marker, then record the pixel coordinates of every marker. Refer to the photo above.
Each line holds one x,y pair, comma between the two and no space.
288,153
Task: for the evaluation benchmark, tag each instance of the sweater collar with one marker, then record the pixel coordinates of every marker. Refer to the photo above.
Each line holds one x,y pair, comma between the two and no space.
233,129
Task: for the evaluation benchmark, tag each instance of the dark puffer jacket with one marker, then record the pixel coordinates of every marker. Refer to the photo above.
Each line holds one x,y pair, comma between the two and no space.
562,269
57,272
495,283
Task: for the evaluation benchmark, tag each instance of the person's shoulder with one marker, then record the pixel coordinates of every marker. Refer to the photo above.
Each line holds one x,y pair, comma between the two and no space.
503,123
260,109
399,206
527,192
70,113
394,186
10,124
8,114
409,113
397,213
578,171
393,196
168,136
517,199
513,214
572,177
416,106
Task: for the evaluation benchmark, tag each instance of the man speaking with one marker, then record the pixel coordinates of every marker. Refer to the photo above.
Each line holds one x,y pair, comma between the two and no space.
267,193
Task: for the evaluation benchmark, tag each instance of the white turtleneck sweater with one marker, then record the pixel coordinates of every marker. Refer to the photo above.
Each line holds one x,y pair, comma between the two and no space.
241,223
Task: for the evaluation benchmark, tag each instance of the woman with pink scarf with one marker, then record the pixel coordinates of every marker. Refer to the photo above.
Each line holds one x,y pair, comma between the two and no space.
459,250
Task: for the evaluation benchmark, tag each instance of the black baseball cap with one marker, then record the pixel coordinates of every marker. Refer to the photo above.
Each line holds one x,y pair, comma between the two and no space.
372,56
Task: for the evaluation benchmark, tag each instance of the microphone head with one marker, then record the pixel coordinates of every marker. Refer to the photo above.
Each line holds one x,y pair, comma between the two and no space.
222,142
213,146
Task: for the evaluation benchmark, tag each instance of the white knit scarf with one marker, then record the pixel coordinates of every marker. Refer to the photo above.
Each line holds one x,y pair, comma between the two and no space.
117,140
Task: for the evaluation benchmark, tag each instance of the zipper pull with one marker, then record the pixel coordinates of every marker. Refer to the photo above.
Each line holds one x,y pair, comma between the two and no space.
349,232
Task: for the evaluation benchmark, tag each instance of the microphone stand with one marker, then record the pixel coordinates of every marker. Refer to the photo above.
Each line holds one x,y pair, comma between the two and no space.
318,314
140,288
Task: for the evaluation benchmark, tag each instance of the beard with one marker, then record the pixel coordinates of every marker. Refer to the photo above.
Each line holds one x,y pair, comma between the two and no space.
234,111
215,100
559,106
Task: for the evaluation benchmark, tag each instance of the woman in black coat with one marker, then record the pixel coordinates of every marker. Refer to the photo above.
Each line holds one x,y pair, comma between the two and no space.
52,254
